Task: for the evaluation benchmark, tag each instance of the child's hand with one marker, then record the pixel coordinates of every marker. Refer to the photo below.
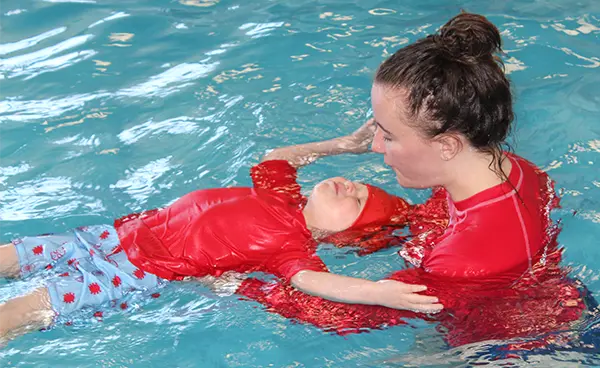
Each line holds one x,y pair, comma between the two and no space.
360,140
224,285
398,295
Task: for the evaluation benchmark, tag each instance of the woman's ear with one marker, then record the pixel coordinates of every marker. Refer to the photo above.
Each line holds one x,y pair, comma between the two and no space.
449,145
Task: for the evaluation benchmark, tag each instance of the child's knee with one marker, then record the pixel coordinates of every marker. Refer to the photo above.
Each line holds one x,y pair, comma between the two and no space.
24,314
9,261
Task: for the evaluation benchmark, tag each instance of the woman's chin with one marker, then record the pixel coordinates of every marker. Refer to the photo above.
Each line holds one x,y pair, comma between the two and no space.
404,182
410,184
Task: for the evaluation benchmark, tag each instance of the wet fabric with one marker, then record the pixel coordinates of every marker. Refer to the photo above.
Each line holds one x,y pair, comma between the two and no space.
88,269
493,283
210,231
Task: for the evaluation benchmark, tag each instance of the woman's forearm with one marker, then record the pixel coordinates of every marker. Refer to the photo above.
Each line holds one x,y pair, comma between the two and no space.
304,154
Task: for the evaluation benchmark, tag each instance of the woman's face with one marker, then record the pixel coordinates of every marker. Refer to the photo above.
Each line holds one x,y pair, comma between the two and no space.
415,159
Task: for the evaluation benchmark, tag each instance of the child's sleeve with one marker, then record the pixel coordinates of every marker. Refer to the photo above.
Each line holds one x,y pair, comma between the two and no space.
293,258
278,176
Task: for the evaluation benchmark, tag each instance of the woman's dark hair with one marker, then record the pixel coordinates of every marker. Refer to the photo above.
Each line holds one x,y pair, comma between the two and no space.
455,82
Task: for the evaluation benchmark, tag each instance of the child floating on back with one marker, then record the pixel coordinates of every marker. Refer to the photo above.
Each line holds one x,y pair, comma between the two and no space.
269,227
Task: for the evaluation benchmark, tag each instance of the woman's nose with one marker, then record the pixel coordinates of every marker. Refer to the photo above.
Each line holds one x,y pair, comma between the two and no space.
378,144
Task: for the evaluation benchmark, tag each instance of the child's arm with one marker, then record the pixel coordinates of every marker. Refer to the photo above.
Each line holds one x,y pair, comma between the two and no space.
388,293
285,300
337,288
304,154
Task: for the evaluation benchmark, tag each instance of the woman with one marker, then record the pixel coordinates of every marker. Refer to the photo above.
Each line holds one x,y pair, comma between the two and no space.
484,243
443,108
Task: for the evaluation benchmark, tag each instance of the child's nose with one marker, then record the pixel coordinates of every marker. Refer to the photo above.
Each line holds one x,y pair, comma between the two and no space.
350,187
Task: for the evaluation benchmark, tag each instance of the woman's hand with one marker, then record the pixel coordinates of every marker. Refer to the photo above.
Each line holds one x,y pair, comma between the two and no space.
304,154
360,140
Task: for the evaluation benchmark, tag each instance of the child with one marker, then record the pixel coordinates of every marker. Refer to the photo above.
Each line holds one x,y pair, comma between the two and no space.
270,228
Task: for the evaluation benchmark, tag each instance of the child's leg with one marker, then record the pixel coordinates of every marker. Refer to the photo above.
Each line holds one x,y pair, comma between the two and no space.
26,313
9,261
89,276
36,253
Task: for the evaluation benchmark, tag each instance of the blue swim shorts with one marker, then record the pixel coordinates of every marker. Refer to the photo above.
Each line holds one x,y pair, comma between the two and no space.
88,268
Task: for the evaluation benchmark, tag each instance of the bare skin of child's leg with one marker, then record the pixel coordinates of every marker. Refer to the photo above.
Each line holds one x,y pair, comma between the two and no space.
9,261
24,314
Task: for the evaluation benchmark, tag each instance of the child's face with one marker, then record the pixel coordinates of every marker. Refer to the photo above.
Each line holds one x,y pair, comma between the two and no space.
335,204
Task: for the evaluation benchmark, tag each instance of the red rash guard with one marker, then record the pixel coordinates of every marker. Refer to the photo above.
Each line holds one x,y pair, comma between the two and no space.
208,232
495,233
492,260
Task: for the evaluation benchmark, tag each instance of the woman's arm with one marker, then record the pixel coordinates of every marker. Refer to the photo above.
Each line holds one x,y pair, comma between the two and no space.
304,154
338,288
388,293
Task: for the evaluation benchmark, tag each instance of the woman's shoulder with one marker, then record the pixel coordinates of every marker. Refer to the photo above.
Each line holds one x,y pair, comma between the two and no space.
525,164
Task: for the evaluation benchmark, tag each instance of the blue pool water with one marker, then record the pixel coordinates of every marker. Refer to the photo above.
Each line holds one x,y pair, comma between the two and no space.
109,107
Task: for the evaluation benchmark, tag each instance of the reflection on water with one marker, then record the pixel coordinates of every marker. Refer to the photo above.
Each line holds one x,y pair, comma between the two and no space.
172,80
36,63
139,183
47,197
10,47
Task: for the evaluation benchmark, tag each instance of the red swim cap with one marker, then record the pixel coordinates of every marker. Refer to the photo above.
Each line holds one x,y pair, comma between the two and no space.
373,229
381,208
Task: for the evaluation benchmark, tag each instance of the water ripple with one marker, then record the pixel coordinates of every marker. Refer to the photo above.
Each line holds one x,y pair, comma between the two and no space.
7,171
140,183
46,197
15,12
7,48
258,30
178,125
36,63
116,15
170,81
12,109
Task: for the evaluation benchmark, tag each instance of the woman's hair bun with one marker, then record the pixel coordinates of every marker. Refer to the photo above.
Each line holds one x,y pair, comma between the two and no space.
468,37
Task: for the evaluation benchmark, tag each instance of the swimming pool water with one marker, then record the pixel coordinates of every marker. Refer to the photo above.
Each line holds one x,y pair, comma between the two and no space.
110,107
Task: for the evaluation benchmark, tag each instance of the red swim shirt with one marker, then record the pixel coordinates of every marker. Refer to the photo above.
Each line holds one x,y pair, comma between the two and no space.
208,232
496,232
492,260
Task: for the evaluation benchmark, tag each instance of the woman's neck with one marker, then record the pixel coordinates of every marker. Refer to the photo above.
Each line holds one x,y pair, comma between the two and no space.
472,172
